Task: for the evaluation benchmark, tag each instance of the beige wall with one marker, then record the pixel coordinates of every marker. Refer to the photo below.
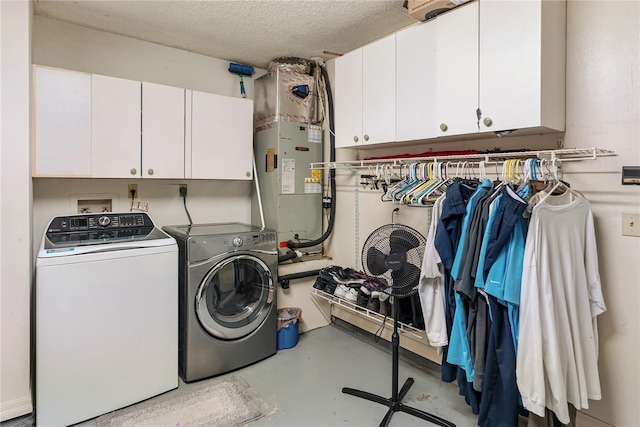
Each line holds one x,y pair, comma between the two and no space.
15,208
603,95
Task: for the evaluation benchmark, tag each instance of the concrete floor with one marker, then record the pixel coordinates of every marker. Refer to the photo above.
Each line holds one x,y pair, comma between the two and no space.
301,386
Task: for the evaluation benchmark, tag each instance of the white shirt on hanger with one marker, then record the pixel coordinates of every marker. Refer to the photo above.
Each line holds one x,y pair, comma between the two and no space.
431,286
560,299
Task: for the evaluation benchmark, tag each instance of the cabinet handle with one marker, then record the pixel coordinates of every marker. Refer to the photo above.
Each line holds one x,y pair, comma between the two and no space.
247,173
487,122
150,171
134,171
366,137
355,138
443,127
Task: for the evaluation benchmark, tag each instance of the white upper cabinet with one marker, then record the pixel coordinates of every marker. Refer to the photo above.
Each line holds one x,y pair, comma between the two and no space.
366,95
115,132
97,126
457,70
348,99
522,65
484,67
62,138
379,91
163,130
221,137
416,83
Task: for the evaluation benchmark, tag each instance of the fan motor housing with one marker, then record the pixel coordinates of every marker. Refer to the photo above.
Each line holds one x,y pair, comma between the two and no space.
395,261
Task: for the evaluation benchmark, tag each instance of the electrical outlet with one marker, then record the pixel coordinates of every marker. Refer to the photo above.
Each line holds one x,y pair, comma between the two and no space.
134,188
182,190
630,224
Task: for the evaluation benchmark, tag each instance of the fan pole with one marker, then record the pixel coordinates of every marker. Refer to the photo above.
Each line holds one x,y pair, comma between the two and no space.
395,402
395,360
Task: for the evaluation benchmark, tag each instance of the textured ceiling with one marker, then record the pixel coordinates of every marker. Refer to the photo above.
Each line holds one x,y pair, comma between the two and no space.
247,31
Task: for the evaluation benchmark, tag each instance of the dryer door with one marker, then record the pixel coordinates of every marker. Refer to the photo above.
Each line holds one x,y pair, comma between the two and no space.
235,297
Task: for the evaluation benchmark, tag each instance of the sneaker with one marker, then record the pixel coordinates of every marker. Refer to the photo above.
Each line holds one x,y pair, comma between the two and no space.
330,287
373,305
380,294
352,295
341,291
320,283
334,273
363,296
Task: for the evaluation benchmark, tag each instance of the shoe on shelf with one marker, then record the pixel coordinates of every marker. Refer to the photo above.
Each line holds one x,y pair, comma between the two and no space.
320,283
341,290
330,287
334,273
380,294
363,297
352,295
373,305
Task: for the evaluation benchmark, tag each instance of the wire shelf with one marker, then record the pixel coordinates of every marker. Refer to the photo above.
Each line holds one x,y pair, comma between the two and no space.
403,328
568,154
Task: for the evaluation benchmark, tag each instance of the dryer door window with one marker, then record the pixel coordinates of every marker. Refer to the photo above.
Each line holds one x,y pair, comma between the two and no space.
235,297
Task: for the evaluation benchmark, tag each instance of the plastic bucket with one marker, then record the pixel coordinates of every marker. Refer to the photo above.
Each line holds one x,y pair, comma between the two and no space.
288,327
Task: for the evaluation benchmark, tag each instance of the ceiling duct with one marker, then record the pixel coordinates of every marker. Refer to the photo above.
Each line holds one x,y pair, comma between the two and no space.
289,63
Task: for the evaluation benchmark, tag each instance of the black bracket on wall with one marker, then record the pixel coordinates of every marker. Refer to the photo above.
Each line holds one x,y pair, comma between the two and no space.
284,280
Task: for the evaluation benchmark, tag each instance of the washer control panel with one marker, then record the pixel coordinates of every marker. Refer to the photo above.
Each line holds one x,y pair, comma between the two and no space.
84,229
86,222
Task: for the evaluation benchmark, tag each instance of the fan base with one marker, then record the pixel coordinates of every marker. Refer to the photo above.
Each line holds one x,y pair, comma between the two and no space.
395,405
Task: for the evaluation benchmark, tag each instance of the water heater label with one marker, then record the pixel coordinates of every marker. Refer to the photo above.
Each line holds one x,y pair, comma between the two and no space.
312,185
314,134
288,176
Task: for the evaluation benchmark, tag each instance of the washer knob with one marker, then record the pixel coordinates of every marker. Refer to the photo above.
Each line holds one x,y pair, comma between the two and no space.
237,242
103,221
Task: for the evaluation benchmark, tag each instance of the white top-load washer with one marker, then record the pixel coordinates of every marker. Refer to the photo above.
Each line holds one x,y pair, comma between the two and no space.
106,315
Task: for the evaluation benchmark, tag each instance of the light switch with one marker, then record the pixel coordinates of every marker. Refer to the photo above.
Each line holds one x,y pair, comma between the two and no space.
630,224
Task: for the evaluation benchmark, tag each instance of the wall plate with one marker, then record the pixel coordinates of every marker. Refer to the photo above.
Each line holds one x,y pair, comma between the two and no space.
631,224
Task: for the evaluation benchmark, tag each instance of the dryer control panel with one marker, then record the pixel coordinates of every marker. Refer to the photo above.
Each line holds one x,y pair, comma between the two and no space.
250,240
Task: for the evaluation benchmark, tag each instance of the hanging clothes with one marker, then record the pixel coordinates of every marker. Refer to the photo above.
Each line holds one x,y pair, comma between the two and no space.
448,233
561,298
501,405
459,346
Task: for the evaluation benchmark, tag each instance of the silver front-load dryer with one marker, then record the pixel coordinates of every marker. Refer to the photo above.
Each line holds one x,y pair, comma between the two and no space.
227,297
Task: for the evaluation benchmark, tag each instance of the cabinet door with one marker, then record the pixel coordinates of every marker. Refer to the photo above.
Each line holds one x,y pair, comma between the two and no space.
162,131
115,130
416,82
62,140
379,91
520,67
221,137
457,70
348,95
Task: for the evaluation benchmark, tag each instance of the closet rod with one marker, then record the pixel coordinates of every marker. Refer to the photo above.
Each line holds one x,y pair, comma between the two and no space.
568,154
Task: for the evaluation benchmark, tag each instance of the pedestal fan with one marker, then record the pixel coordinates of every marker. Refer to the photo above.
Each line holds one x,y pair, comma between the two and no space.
394,253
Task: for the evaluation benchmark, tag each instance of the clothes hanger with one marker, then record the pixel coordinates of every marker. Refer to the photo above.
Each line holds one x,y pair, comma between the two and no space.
412,194
424,197
410,182
387,196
